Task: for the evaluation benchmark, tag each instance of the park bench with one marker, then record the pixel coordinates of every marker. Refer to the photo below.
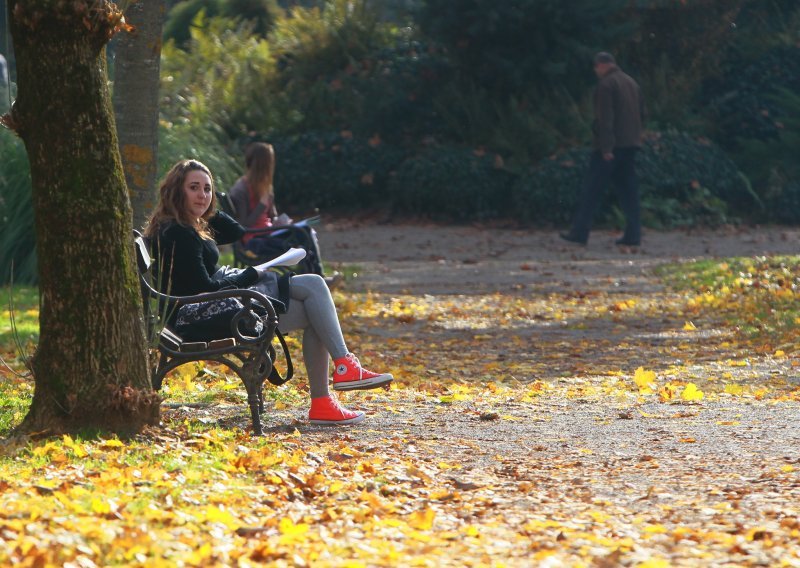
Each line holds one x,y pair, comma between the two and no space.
311,264
252,358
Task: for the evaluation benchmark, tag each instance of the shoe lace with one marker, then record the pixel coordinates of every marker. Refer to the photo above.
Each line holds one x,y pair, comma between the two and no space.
354,360
336,405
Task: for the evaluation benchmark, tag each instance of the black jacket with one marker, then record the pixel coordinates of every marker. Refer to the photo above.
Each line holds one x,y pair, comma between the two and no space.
185,261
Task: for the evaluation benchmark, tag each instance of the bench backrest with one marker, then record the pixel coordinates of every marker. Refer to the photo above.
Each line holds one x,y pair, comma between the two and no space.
143,259
225,203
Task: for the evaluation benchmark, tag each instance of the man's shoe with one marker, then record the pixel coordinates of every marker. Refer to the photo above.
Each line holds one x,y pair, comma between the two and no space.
327,411
626,243
573,239
348,374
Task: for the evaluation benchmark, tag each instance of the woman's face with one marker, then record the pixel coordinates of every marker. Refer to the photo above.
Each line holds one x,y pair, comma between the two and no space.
197,192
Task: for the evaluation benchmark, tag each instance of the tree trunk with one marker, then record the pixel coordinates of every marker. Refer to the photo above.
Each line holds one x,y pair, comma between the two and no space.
91,366
136,82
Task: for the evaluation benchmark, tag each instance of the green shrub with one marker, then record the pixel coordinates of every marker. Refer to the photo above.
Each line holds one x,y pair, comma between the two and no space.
452,184
677,48
746,104
682,181
332,171
223,76
17,233
510,46
182,17
783,204
200,141
773,164
519,129
326,66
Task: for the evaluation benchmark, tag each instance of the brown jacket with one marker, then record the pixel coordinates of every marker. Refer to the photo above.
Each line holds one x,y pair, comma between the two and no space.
618,112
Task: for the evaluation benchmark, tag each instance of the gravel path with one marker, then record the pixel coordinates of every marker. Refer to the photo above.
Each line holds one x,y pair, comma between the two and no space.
585,471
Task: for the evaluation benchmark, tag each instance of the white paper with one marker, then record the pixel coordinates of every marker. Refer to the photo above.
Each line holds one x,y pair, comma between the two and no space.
289,258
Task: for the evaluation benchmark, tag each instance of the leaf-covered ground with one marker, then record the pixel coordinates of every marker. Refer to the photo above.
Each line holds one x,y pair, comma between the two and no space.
554,406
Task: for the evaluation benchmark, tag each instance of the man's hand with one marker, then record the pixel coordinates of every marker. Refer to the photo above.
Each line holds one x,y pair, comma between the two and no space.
608,156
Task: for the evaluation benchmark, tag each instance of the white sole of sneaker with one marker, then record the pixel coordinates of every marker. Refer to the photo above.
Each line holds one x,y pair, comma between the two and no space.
364,384
355,420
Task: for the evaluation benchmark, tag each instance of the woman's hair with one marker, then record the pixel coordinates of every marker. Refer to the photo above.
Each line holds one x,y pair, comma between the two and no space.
259,159
172,201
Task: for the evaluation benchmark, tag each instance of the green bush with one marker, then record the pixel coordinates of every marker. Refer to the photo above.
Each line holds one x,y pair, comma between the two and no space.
452,184
17,233
683,181
326,65
182,17
509,47
746,104
222,76
204,142
783,204
772,164
334,171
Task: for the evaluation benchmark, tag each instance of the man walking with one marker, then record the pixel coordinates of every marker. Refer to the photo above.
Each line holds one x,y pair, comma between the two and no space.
617,135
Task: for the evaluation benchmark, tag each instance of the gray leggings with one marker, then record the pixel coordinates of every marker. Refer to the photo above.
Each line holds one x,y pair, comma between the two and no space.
311,309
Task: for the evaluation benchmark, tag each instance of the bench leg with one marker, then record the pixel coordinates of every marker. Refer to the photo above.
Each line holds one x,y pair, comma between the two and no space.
252,401
255,401
158,372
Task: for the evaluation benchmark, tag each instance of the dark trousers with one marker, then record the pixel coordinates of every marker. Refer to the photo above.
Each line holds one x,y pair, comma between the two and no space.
620,171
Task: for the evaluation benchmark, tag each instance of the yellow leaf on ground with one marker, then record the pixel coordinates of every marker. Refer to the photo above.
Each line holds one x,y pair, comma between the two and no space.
289,529
692,393
77,449
645,380
654,563
422,520
735,390
217,515
689,326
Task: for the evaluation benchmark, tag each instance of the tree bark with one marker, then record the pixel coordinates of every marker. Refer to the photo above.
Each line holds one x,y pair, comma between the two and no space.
136,82
90,367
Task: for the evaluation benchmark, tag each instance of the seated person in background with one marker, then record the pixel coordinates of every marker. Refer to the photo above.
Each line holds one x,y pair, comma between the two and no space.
253,197
186,228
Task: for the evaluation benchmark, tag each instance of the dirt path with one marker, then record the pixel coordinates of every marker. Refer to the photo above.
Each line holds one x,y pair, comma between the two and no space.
518,427
588,458
463,260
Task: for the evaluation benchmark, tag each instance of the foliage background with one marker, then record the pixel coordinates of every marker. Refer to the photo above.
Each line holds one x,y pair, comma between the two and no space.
464,110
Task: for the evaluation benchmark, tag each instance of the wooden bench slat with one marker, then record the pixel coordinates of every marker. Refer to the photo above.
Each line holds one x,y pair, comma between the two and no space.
170,339
220,343
193,346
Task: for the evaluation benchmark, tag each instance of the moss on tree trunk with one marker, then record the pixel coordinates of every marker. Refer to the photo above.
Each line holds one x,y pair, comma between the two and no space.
90,366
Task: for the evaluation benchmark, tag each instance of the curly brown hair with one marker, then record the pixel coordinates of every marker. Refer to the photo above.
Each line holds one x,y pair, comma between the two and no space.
172,201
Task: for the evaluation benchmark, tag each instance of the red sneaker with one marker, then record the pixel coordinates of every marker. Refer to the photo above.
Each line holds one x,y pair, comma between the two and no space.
326,410
350,375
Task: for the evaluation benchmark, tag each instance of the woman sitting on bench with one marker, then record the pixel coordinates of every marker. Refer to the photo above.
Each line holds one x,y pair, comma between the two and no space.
186,228
253,199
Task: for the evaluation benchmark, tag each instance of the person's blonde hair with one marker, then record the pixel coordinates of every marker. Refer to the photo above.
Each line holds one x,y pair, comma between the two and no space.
259,159
172,201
